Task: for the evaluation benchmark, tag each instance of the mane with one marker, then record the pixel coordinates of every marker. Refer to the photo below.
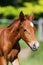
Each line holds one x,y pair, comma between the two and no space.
16,19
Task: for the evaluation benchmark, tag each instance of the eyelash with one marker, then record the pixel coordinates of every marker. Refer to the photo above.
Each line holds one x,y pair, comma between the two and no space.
24,30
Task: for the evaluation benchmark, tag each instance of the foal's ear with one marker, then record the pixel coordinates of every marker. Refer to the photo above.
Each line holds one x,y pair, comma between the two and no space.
21,16
31,17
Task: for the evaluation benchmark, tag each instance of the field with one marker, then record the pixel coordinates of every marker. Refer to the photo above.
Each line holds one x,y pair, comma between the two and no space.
35,58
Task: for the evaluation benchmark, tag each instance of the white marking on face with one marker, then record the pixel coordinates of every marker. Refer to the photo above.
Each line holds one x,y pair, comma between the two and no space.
33,42
31,24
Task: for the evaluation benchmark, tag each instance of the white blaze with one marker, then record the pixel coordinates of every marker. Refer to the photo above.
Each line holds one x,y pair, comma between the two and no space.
31,24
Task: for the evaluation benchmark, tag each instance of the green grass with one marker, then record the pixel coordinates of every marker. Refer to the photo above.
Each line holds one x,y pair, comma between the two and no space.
36,58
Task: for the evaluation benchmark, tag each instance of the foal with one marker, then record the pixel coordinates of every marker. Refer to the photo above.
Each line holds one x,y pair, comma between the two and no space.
9,37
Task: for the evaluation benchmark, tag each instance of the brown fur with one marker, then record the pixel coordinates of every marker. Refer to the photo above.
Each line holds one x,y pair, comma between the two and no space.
9,37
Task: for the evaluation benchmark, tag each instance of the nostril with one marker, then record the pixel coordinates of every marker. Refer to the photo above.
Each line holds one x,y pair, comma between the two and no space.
34,46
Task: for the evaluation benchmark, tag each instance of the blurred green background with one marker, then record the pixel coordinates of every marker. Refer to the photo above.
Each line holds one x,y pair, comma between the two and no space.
9,9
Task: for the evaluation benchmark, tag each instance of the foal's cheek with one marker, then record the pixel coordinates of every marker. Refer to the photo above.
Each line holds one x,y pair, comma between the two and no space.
26,36
29,36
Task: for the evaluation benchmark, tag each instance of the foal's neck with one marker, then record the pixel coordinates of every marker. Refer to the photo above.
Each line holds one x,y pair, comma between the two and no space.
13,31
14,25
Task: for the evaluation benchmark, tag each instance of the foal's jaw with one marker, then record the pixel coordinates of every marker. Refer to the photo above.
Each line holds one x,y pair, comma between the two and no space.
34,45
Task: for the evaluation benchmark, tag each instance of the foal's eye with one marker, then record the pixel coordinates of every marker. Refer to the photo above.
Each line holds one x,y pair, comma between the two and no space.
24,30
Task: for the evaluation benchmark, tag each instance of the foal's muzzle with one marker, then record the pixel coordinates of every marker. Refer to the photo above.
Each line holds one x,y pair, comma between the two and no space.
34,45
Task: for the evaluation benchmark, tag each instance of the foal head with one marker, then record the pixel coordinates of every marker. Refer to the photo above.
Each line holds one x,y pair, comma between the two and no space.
27,31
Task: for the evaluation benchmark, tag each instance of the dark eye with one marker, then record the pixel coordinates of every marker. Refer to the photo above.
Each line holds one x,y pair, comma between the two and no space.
24,30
